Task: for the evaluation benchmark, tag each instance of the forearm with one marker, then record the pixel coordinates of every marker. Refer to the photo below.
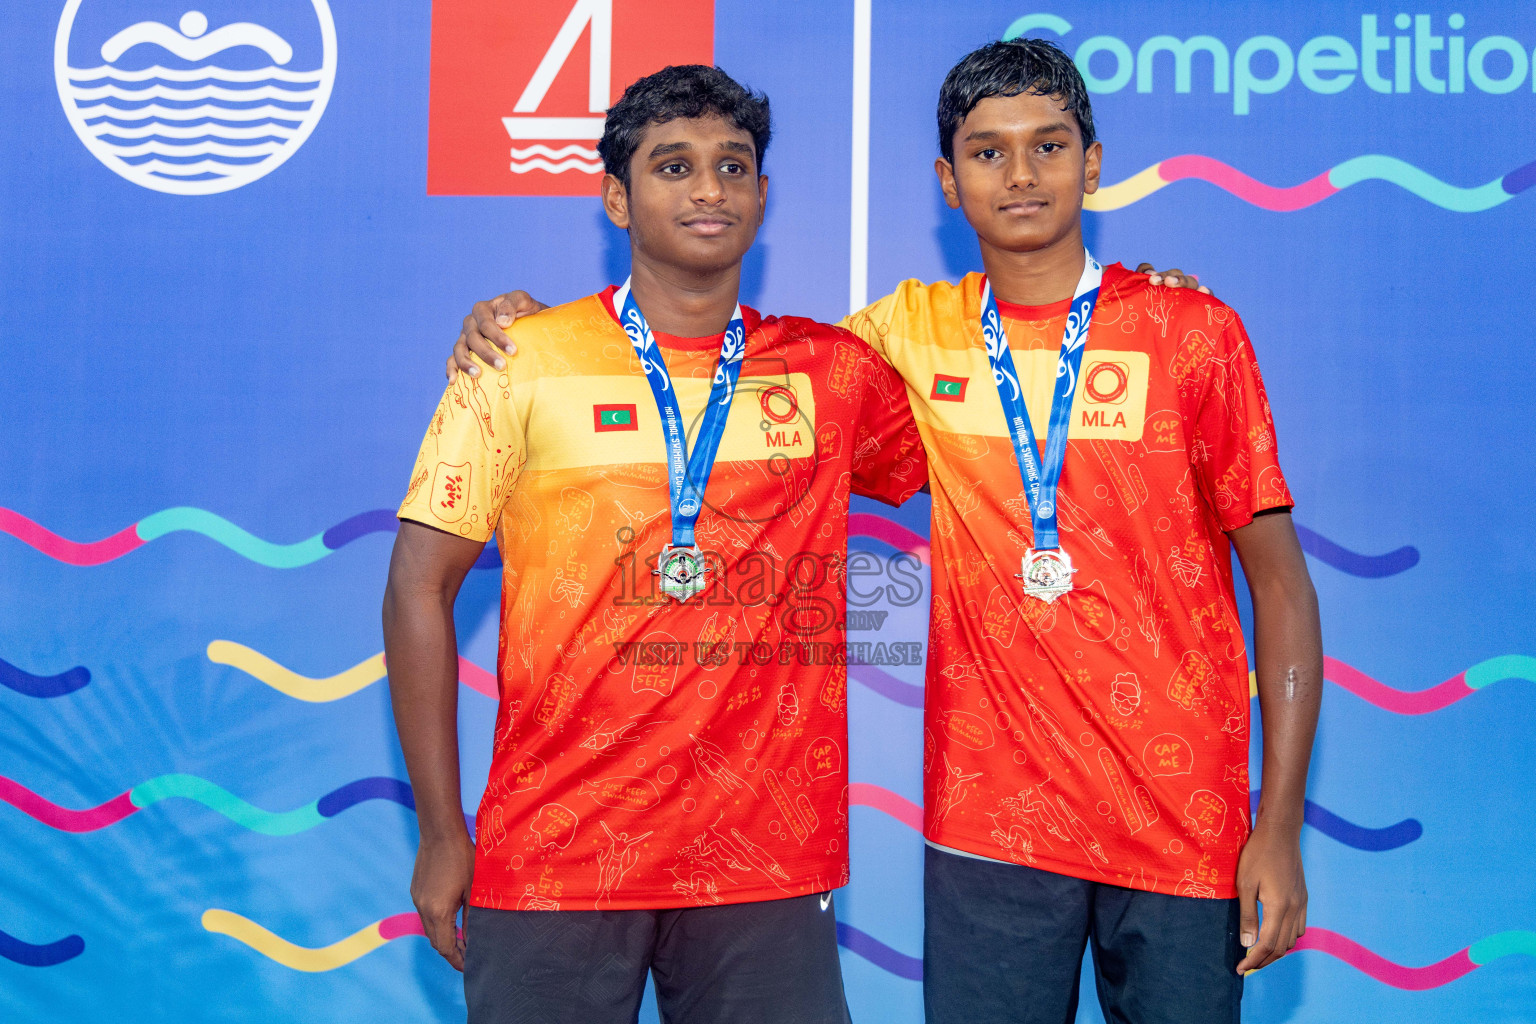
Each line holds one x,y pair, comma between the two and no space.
421,652
1288,656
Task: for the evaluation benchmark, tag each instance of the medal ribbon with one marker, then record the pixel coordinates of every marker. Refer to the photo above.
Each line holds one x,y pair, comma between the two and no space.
687,474
1042,477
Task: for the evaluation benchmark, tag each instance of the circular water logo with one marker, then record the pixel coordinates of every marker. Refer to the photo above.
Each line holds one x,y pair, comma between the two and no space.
188,106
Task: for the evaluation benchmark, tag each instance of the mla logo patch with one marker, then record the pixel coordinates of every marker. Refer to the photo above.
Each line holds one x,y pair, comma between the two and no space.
614,417
188,105
559,73
949,389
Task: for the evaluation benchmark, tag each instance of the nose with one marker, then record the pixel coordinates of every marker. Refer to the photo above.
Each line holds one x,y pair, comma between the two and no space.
709,188
1021,171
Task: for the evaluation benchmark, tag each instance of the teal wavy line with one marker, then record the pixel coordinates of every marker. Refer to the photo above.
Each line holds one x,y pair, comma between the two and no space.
1486,951
221,530
1425,186
221,800
1509,666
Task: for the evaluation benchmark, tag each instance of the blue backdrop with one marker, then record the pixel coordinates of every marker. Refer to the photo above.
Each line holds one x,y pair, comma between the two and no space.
208,399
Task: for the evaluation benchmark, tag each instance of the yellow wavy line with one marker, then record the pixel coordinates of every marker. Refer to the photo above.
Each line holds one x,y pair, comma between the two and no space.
285,680
1133,189
299,958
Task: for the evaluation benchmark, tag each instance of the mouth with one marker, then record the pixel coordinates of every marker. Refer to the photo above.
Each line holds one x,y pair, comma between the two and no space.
1023,207
708,225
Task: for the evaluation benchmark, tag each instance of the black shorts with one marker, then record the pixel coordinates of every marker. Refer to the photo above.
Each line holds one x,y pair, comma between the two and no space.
773,962
1003,944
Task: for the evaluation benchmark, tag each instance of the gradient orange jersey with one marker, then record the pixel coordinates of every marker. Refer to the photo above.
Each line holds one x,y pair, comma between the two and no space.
1104,736
649,754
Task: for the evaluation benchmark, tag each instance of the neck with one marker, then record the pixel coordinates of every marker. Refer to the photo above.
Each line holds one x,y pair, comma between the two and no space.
685,304
1038,277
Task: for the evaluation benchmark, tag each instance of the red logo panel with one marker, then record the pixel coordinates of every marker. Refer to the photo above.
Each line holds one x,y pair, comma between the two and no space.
519,88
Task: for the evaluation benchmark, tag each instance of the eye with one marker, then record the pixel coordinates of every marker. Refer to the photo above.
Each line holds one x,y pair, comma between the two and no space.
675,167
732,167
1051,147
989,154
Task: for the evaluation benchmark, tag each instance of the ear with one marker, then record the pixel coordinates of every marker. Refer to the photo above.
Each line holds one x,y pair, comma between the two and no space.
1092,160
762,198
946,173
615,201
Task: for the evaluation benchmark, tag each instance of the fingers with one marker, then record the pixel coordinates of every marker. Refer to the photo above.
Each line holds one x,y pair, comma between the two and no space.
486,348
1248,925
453,366
1144,268
520,303
443,933
486,322
462,359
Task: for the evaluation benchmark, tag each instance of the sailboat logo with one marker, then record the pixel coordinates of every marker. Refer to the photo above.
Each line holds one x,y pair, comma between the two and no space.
190,107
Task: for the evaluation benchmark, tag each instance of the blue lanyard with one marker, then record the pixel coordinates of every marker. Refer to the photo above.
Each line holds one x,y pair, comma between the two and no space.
687,475
1042,479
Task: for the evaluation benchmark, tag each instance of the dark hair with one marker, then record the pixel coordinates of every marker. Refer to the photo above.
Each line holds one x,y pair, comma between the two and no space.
1009,68
680,91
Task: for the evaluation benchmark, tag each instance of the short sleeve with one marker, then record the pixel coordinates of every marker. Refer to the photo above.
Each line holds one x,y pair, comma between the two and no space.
874,323
473,453
889,463
1233,447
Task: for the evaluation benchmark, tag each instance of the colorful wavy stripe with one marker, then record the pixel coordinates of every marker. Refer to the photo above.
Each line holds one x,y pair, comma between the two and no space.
1417,979
1372,167
306,552
344,684
303,958
29,685
214,797
49,954
215,528
374,936
1422,702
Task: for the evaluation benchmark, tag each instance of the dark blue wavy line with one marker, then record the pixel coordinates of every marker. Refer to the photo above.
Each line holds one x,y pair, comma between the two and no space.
48,955
878,953
44,686
1369,567
376,787
1371,840
382,520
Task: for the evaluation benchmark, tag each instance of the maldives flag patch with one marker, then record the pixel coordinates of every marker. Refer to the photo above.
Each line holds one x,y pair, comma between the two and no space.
949,389
614,417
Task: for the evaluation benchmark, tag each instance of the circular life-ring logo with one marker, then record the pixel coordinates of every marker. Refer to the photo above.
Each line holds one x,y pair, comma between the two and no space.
1119,382
193,108
778,403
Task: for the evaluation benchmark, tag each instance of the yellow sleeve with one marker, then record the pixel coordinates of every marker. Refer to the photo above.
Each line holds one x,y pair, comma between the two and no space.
875,322
472,455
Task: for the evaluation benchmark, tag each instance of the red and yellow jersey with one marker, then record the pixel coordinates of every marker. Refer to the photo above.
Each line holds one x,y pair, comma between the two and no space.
1103,736
650,754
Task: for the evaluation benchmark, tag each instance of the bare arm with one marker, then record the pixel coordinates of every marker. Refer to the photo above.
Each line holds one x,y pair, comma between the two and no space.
421,651
1288,656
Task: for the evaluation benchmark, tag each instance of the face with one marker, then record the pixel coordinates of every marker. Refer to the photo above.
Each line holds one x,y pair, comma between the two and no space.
695,199
1020,172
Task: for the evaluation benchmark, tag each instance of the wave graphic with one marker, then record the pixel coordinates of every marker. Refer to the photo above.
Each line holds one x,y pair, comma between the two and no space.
211,796
376,935
49,954
862,525
192,41
1370,840
539,157
1417,979
344,684
29,685
1371,167
304,958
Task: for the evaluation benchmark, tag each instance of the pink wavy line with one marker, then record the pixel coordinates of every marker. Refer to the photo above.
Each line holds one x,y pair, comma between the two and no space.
1403,702
1415,979
397,925
478,679
68,551
883,800
1282,200
882,529
63,818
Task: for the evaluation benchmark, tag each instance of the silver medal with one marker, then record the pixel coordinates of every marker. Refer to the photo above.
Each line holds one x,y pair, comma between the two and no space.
1047,574
682,571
